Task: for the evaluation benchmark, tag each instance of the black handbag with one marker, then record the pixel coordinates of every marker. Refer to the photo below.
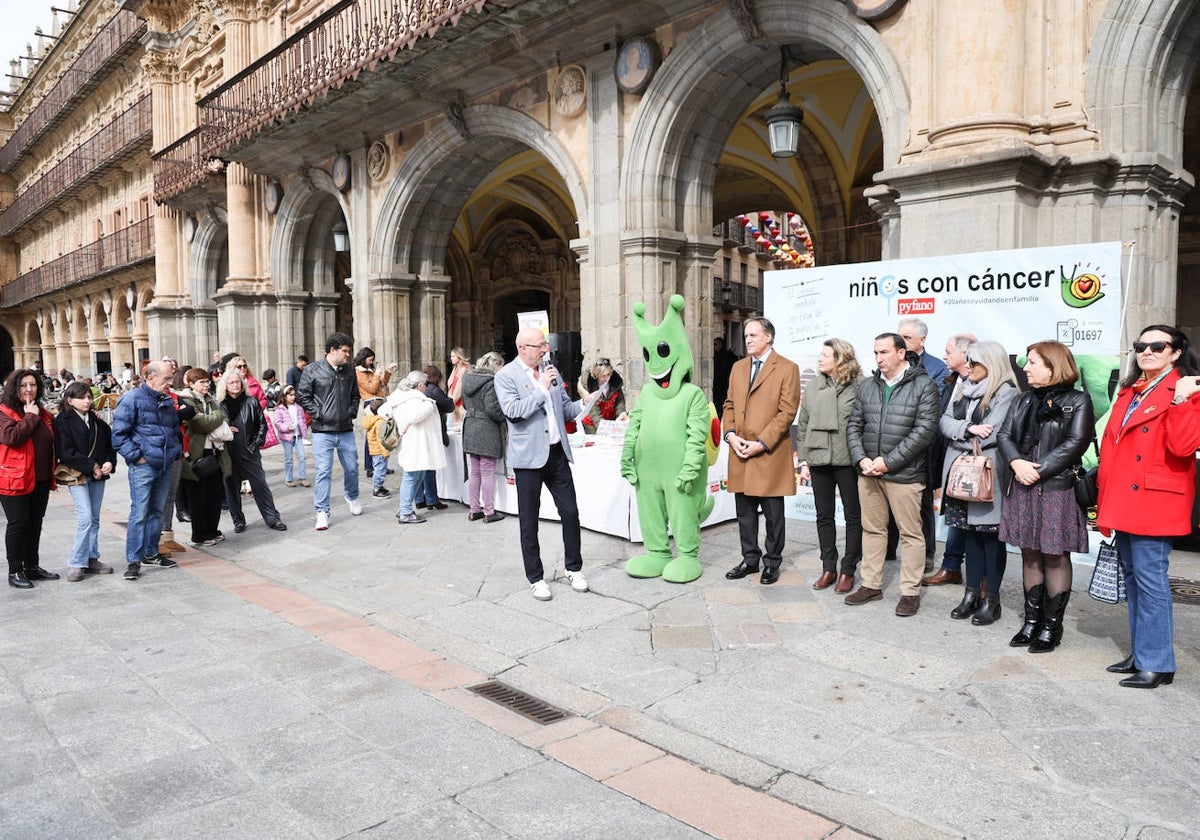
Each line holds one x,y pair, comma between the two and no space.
206,466
1087,491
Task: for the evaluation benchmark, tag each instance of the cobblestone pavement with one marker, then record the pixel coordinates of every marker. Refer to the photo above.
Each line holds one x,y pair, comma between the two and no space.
315,684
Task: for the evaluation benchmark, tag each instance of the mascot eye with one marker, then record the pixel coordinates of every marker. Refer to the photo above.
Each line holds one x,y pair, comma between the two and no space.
664,349
646,354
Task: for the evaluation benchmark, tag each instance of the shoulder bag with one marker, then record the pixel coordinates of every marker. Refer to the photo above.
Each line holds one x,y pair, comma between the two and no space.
971,477
69,476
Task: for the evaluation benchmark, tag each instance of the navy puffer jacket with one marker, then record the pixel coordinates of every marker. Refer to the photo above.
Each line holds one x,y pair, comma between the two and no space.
146,425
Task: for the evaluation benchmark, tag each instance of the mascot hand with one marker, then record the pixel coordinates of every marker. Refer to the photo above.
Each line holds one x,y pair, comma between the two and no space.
629,474
683,485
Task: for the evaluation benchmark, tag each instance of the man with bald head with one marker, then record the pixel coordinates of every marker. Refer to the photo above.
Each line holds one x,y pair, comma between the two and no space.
145,430
537,408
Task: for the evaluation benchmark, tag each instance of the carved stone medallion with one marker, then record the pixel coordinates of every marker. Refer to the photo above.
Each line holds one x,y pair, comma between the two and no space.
570,91
378,158
637,61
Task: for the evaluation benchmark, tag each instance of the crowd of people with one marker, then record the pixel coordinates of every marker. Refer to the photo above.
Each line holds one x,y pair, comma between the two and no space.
191,440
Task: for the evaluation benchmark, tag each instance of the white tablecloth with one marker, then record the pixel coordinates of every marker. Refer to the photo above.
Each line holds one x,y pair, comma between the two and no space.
607,502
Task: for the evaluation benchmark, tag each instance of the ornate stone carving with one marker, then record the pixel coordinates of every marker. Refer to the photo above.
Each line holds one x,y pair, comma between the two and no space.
570,91
379,157
519,254
743,13
456,117
874,9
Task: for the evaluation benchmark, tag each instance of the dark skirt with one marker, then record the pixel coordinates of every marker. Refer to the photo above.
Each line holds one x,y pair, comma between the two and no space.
1049,521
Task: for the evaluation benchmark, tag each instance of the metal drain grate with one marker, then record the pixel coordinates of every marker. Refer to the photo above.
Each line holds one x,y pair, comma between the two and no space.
1185,591
518,701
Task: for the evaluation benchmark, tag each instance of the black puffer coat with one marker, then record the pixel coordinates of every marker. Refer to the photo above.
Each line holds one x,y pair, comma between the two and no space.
1062,437
901,432
483,425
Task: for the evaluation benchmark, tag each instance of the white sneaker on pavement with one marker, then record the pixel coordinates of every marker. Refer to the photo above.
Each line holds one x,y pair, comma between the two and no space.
322,521
541,590
355,507
578,581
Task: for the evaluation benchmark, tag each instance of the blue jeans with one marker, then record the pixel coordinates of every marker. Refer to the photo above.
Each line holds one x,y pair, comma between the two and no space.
290,446
379,467
429,483
148,488
324,444
410,485
956,549
87,498
1151,616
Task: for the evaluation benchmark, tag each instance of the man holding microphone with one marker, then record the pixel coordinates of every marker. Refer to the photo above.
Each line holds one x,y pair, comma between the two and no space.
537,408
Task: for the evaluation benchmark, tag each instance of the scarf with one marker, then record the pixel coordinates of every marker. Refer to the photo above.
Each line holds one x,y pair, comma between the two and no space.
1046,408
970,392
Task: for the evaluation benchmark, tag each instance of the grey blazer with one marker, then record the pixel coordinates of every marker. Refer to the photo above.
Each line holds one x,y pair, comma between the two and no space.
525,406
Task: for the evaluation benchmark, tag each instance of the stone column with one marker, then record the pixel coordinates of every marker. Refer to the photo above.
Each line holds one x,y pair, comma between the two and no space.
430,344
653,271
391,316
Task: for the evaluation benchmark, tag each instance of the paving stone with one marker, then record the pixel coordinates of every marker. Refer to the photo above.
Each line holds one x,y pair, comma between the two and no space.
461,755
50,807
387,721
354,795
507,630
276,754
66,674
120,744
682,638
579,808
239,713
245,817
304,660
444,819
628,678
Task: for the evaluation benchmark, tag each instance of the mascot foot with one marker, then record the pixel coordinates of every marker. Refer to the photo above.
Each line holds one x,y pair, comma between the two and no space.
682,570
646,565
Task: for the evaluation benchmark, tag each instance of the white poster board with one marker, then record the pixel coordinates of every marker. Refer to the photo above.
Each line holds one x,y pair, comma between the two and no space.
1070,293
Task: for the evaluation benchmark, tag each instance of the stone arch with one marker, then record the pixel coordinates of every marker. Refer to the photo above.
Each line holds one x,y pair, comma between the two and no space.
301,257
414,221
208,259
1142,60
97,320
675,144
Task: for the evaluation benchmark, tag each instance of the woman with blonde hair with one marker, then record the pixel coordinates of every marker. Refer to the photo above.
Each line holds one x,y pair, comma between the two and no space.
1044,436
611,403
249,427
459,366
976,410
824,458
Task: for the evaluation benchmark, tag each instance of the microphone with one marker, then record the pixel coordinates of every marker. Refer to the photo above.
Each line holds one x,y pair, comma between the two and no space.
553,381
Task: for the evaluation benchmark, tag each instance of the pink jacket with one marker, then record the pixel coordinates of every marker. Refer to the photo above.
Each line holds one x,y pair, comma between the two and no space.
285,428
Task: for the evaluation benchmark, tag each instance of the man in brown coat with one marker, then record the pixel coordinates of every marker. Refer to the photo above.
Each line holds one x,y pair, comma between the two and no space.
764,393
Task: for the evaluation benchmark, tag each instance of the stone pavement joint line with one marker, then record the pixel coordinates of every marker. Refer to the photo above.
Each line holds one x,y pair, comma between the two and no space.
691,794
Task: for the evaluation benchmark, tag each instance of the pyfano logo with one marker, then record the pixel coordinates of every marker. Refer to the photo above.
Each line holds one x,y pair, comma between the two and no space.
915,306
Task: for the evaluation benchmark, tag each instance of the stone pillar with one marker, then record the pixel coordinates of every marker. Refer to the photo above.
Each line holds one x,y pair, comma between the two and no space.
430,315
653,271
391,316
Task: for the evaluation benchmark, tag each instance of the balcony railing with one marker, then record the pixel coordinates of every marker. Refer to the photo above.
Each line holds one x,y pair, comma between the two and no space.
352,36
741,295
121,137
109,46
184,164
122,249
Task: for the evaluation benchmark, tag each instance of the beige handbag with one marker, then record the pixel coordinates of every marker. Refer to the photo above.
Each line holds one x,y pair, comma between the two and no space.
971,477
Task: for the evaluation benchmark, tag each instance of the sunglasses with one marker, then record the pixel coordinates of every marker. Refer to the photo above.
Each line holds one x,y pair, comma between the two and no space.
241,367
1152,346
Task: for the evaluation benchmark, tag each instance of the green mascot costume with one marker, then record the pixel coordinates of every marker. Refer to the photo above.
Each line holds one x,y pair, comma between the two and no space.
666,454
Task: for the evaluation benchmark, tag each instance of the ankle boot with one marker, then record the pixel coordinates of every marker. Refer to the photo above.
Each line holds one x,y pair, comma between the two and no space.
1049,631
988,612
968,605
1033,616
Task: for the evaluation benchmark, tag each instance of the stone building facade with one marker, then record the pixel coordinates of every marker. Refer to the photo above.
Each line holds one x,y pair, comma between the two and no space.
417,172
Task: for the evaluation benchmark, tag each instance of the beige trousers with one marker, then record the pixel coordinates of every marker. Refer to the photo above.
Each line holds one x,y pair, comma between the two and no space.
877,497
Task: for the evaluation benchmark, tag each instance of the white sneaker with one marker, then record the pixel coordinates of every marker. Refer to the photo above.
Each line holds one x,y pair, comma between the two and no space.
355,507
578,582
322,521
541,591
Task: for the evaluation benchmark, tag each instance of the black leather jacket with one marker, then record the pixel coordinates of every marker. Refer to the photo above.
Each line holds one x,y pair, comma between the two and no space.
246,415
329,395
1062,439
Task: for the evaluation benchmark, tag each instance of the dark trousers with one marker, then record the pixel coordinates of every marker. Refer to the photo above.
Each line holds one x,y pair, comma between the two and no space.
956,549
556,476
24,532
986,558
843,480
249,469
928,528
747,518
205,497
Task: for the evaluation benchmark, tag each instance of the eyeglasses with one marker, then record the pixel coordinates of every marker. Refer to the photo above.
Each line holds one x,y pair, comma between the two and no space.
972,363
1152,346
543,344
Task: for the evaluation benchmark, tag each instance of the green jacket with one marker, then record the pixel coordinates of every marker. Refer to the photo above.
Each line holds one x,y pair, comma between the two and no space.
821,426
208,417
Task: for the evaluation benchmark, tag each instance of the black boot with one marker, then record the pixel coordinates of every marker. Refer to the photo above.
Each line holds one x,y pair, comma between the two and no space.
1033,615
988,612
1049,632
968,605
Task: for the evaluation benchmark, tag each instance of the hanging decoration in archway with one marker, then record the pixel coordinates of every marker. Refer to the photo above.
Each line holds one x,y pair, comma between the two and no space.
793,248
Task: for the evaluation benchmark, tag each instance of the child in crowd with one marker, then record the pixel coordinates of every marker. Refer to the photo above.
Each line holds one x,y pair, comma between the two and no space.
371,422
292,430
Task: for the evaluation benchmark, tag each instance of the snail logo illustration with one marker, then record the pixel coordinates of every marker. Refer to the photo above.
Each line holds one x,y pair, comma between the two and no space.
1080,290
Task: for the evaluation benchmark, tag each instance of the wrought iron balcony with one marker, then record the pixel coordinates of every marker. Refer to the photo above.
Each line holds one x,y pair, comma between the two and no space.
352,36
119,37
117,141
127,247
183,164
737,295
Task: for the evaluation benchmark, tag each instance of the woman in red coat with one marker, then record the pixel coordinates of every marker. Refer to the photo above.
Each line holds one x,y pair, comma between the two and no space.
1147,483
26,474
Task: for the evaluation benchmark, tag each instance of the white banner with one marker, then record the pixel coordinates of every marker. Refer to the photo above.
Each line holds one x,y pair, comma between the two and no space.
1069,293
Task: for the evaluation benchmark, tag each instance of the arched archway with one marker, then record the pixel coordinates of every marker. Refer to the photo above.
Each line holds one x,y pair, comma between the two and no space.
452,190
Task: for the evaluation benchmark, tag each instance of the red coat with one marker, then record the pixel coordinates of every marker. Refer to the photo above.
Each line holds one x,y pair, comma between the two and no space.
1147,472
18,473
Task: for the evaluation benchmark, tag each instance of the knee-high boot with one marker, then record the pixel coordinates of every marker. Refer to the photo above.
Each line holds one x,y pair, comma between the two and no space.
1033,615
1050,630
